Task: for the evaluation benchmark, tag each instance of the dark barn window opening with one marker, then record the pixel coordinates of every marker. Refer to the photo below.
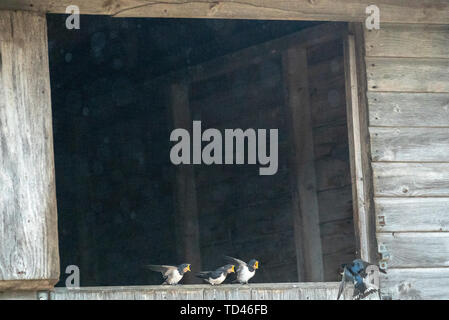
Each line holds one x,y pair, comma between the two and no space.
118,193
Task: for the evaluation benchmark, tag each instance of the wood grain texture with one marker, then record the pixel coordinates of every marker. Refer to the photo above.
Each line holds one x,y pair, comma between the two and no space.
411,11
414,249
335,204
310,37
399,109
408,40
305,202
186,221
412,214
411,179
408,74
5,26
266,291
410,144
416,284
358,148
28,224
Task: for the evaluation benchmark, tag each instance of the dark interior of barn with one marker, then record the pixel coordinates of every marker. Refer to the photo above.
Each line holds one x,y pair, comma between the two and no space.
115,182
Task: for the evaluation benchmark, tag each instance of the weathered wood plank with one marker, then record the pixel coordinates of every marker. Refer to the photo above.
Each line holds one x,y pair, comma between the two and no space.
357,141
414,249
186,221
19,295
412,214
262,291
335,204
29,257
305,202
408,74
271,49
411,11
5,26
410,144
399,109
328,105
416,284
408,40
331,141
411,179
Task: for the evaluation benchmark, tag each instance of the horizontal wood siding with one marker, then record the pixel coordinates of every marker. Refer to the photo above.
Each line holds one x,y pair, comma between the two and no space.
401,109
412,214
410,11
416,283
408,98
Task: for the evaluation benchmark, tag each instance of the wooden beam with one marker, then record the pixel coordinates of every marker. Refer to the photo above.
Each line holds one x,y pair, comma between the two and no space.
305,203
308,37
29,257
186,217
359,145
252,291
392,11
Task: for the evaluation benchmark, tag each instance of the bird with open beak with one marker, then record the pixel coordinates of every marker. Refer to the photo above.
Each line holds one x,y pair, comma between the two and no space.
218,276
245,271
172,274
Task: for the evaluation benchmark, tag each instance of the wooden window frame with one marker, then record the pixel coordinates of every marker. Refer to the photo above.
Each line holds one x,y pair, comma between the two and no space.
357,125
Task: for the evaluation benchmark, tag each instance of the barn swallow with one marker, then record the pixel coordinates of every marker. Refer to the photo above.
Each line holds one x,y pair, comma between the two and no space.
245,271
172,274
217,276
356,272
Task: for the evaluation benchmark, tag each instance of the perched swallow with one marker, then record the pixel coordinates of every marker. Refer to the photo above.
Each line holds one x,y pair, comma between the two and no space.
356,273
171,274
245,271
217,276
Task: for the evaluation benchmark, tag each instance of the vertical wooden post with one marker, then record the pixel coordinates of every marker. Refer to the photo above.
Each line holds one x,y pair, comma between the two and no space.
186,223
29,257
359,145
305,203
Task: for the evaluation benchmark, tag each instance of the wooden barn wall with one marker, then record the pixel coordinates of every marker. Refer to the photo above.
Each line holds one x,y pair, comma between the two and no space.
242,213
407,69
330,135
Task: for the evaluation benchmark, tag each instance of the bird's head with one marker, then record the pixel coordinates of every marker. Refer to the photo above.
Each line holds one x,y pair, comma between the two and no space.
229,268
185,267
254,263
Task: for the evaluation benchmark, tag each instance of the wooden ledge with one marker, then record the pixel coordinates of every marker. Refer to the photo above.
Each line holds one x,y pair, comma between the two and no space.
264,291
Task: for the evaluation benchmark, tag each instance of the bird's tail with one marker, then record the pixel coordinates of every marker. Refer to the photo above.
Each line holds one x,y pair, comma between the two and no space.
202,275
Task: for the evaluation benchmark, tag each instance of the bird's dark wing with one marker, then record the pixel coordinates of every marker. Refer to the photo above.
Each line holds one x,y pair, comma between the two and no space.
204,274
359,288
241,264
346,276
342,287
235,260
165,270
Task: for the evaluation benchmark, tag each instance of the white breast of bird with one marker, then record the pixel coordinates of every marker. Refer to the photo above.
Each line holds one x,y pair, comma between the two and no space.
219,280
244,275
174,277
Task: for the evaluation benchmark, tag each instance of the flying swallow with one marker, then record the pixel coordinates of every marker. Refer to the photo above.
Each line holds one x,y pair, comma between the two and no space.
217,276
245,271
172,274
356,273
